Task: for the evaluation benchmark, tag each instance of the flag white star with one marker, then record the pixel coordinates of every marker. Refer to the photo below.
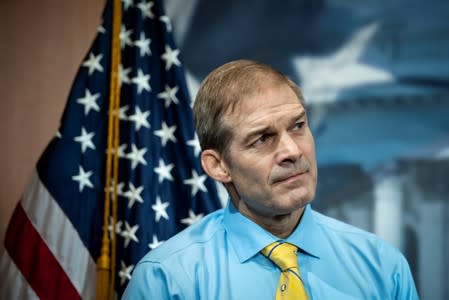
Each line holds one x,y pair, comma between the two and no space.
125,272
145,8
125,37
118,187
196,182
160,209
136,156
140,118
101,29
122,113
142,81
83,179
127,4
89,101
133,194
192,218
155,243
144,44
58,134
121,151
164,170
124,75
195,143
166,133
166,20
130,233
169,95
85,139
118,227
93,63
171,57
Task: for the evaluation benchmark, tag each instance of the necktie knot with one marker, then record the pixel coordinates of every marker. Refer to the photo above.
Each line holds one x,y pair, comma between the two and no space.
282,254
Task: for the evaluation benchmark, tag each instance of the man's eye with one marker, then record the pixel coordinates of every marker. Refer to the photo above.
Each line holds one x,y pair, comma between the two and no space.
262,139
299,125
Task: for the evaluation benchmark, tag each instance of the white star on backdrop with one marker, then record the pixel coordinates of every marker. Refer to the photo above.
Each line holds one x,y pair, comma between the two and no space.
101,29
171,57
166,21
164,170
169,95
143,44
130,233
140,118
136,156
192,218
83,179
119,188
133,194
124,75
125,37
166,133
155,243
89,101
160,209
93,63
122,113
121,151
342,69
118,227
127,4
196,182
125,272
195,144
142,81
85,139
145,8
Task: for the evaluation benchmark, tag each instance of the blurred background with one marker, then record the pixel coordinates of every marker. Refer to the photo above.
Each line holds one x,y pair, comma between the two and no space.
375,75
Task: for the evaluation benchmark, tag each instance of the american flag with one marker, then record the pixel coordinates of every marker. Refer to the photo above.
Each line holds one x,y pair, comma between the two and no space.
54,236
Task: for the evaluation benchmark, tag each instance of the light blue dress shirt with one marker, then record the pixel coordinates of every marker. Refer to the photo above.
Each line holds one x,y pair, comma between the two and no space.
219,258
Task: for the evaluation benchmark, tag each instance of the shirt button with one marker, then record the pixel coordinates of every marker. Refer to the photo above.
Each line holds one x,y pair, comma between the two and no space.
283,287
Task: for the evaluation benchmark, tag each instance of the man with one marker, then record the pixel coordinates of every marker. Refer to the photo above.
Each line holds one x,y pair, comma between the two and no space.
252,125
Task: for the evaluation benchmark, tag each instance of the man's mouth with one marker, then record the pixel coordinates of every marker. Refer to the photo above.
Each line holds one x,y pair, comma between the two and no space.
290,177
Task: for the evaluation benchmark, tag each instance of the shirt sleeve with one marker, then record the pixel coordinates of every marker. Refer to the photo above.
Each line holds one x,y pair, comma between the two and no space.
151,280
404,285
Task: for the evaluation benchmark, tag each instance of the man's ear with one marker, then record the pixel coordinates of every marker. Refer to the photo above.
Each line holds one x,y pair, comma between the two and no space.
214,166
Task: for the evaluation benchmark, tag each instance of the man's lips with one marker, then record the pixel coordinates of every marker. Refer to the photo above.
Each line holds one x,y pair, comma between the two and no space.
289,177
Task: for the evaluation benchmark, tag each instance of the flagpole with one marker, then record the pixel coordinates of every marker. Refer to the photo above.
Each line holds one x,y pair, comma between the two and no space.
106,261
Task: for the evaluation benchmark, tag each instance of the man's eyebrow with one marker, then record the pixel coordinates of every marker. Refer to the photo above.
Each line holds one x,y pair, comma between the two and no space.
301,115
264,129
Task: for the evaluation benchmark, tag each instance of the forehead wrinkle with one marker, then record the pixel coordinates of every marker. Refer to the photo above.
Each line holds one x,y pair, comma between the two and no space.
268,124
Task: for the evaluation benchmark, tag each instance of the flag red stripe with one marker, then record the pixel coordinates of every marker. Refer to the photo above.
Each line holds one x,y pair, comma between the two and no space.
33,258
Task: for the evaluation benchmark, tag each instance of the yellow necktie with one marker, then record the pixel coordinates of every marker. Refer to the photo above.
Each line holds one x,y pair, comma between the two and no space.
290,283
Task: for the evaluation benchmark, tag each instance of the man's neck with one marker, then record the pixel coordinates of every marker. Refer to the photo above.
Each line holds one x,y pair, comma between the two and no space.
280,226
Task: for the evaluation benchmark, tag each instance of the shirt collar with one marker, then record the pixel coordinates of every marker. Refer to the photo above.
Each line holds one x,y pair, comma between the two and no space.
308,235
248,238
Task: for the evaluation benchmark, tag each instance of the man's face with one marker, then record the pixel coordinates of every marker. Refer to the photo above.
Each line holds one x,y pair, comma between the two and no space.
271,159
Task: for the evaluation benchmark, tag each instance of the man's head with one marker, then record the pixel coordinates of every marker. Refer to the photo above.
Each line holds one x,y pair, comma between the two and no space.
222,90
252,126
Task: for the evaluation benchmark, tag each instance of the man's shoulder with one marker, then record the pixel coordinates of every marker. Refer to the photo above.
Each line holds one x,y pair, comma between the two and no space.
201,234
351,235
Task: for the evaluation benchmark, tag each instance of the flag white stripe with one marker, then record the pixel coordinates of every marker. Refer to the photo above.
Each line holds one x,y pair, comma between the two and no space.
12,283
65,243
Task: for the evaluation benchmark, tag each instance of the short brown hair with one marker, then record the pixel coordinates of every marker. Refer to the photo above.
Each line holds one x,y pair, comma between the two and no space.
222,90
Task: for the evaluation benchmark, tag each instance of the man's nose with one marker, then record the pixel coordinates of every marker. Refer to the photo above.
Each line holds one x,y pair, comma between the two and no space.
288,149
